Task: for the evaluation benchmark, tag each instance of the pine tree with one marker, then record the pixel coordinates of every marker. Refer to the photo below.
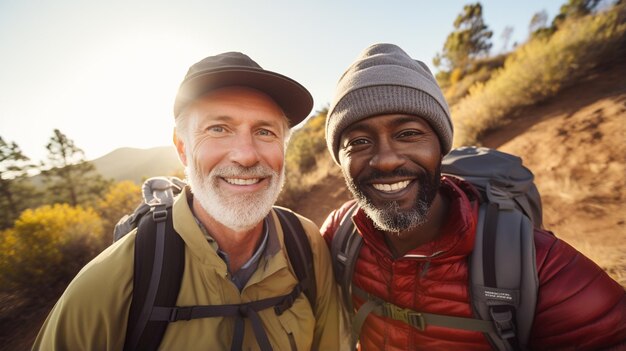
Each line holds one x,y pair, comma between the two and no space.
68,176
469,40
16,192
538,25
573,9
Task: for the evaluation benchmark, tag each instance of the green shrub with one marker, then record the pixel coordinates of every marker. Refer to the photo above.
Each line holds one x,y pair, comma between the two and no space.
306,162
306,144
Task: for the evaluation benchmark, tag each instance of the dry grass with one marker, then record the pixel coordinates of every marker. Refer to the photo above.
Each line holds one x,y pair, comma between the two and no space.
538,70
576,149
299,184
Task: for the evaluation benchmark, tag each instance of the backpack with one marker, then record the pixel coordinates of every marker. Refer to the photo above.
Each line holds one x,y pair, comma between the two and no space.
502,266
159,264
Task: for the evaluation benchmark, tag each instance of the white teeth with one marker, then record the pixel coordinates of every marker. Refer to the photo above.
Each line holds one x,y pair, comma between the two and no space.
391,187
238,181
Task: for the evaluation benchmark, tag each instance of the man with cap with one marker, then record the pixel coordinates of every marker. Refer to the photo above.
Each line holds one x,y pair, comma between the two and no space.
232,125
388,128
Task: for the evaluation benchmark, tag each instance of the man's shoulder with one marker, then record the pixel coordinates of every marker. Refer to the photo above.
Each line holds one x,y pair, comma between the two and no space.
549,249
310,228
315,239
300,216
106,279
184,220
95,301
112,267
333,220
559,265
572,284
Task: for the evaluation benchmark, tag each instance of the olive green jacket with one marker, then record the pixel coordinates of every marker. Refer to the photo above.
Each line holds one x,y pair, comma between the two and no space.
92,312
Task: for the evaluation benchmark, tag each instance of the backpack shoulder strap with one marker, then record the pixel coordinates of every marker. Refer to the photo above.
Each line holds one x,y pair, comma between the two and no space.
299,252
158,269
344,250
503,275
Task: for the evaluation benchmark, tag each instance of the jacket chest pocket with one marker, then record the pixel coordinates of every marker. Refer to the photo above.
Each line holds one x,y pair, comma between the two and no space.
290,327
298,324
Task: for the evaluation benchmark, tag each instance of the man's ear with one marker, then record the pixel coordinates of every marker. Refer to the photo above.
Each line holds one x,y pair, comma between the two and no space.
180,148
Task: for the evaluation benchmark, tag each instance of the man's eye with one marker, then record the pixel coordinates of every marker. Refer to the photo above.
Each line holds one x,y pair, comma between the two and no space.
357,142
408,133
266,132
216,129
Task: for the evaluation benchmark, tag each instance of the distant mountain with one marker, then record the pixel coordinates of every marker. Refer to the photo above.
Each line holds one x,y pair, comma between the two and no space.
137,164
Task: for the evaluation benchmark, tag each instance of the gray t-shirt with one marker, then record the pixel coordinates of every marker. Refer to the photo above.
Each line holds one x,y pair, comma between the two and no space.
241,277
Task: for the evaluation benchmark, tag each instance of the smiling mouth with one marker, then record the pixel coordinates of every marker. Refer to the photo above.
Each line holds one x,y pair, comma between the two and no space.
391,188
240,181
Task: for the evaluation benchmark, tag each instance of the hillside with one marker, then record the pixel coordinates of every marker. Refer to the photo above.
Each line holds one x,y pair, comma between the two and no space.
575,145
138,164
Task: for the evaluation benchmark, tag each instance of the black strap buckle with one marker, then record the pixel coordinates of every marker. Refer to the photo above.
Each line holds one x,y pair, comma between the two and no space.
159,214
503,320
288,301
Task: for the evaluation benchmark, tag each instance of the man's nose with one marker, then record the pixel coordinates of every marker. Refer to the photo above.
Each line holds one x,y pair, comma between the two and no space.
387,158
245,152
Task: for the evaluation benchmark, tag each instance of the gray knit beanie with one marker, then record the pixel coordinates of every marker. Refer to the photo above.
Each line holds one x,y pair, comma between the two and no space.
385,80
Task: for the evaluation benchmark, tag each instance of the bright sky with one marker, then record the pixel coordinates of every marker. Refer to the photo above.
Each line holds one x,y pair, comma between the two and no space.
106,72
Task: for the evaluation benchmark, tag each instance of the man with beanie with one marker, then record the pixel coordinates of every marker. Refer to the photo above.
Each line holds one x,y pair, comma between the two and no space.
388,128
239,288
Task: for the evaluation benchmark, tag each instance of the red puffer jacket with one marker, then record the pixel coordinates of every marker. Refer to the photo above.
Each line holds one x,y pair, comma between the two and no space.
579,306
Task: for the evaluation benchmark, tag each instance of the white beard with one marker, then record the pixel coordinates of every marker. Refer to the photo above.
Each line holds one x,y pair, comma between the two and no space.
237,212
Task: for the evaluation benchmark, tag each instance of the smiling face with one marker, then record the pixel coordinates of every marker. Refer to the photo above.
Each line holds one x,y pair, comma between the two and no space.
391,164
232,142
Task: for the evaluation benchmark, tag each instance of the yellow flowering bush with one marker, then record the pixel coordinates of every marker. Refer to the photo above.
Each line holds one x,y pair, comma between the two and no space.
46,247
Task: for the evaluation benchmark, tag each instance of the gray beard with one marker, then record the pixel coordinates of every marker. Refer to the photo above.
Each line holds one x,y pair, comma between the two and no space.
241,212
390,218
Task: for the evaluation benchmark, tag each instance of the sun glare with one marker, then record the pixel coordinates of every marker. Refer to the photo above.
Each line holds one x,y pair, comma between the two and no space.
126,89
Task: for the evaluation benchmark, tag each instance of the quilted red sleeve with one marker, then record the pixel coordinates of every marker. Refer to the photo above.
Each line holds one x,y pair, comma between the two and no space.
579,306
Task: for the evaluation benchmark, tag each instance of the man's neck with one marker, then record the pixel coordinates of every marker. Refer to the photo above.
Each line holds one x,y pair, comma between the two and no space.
239,245
403,242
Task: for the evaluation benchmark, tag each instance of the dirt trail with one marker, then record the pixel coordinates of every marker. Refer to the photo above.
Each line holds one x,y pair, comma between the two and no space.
576,146
575,143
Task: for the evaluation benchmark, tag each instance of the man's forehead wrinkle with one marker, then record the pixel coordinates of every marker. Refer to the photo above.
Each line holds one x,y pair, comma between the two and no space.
230,119
360,127
219,117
